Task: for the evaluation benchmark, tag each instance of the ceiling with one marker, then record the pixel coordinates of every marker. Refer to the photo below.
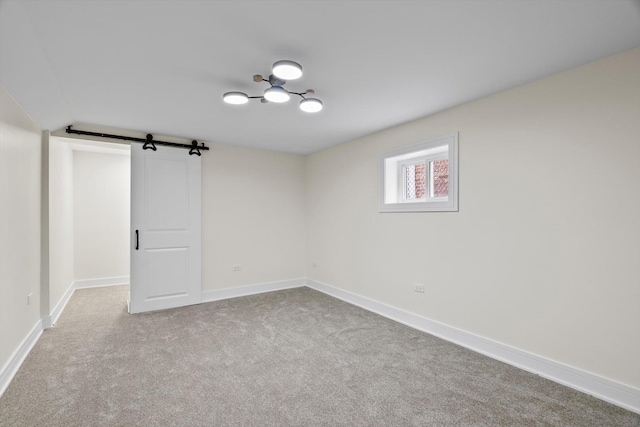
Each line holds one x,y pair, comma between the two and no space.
162,66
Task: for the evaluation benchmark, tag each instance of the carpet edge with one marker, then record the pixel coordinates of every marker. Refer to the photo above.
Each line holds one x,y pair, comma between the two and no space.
258,288
610,391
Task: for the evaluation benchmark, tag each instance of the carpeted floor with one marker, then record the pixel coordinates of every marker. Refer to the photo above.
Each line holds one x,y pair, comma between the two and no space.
289,358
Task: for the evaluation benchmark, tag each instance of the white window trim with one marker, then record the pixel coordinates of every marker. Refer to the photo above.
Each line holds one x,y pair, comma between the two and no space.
391,196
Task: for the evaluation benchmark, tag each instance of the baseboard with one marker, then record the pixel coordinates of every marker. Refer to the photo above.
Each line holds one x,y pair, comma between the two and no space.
603,388
47,323
57,311
10,369
95,283
610,391
240,291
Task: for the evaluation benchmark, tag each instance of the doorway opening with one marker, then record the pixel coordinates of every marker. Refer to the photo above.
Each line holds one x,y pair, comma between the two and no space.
89,217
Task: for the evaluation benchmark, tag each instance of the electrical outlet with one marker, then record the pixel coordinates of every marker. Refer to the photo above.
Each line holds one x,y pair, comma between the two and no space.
29,298
236,268
418,287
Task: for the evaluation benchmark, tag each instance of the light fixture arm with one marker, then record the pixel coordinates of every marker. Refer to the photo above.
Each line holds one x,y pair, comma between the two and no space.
302,95
273,82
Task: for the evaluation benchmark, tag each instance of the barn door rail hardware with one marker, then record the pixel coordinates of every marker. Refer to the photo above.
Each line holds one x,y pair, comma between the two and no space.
149,142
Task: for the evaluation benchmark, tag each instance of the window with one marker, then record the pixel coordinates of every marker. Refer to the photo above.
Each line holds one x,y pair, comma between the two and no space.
421,177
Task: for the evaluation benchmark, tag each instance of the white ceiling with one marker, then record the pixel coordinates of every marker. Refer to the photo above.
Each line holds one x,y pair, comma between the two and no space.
162,66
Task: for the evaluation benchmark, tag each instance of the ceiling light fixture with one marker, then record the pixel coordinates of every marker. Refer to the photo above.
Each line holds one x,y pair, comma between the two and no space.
236,98
287,70
276,94
282,71
311,105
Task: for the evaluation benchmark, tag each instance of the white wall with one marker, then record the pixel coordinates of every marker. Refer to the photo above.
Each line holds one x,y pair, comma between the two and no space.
544,254
252,216
20,148
101,187
61,254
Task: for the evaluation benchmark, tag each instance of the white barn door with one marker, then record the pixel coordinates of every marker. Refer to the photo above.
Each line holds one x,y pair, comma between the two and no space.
165,224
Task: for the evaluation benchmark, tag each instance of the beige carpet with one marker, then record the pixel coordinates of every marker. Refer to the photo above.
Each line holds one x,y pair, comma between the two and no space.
287,358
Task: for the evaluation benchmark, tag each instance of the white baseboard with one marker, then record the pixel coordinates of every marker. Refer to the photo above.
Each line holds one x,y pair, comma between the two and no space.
10,368
240,291
608,390
603,388
95,283
57,311
47,323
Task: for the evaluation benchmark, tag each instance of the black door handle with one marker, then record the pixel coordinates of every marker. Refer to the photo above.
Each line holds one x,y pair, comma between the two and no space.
137,240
